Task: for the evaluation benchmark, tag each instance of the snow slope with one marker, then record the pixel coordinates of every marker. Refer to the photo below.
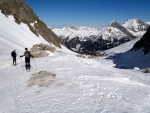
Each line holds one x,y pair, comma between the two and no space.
15,36
148,23
123,57
81,85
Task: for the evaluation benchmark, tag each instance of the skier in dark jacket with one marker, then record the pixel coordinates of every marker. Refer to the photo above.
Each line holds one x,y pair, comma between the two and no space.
14,55
27,55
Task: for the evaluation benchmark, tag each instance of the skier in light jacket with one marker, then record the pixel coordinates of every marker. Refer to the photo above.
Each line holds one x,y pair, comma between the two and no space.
27,55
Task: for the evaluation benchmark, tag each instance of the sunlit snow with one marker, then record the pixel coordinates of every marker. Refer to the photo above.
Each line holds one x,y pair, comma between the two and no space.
81,85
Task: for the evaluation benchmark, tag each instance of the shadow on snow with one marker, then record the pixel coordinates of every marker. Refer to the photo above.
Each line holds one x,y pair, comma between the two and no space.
131,59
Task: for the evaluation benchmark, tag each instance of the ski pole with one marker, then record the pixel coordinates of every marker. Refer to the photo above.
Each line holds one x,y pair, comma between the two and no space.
34,64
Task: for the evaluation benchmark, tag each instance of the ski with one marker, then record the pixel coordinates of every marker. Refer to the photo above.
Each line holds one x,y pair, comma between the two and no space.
27,68
14,64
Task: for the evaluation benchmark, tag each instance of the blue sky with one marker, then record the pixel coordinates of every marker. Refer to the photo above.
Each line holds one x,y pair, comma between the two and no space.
93,13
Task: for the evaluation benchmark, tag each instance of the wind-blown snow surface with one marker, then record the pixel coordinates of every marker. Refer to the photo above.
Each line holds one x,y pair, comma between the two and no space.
81,85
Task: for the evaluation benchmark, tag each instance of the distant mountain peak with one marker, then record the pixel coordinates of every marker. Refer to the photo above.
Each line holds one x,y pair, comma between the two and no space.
135,20
113,21
114,24
73,27
136,25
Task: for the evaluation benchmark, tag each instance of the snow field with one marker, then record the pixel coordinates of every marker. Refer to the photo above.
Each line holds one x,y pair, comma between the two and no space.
81,85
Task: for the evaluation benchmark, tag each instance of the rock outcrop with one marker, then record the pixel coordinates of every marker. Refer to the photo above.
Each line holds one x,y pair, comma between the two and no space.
41,50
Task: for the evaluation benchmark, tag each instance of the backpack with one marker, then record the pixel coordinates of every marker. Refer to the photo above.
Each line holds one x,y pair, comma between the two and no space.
13,54
27,54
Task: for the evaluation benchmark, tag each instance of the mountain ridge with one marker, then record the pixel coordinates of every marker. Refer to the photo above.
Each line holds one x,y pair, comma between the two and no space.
23,13
76,38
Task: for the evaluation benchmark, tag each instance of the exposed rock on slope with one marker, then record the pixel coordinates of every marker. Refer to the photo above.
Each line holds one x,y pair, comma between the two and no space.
23,13
41,50
144,42
42,79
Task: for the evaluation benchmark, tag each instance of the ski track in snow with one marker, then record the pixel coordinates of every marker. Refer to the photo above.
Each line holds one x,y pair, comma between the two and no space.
81,85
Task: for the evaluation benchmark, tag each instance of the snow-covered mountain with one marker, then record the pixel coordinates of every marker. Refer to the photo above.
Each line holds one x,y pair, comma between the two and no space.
72,32
65,83
117,31
137,55
136,25
92,39
148,23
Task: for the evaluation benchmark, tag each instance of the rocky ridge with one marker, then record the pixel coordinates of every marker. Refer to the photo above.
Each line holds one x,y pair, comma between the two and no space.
23,13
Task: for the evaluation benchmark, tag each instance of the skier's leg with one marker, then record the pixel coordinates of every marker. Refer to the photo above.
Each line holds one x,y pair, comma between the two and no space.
15,60
29,63
26,60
